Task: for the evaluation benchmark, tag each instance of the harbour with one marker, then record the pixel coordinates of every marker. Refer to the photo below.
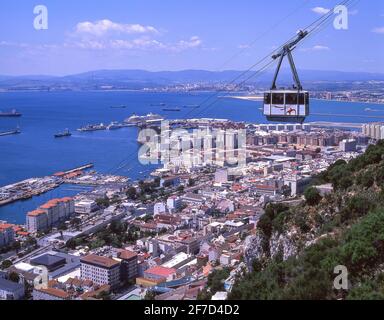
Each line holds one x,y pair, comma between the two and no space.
36,154
29,188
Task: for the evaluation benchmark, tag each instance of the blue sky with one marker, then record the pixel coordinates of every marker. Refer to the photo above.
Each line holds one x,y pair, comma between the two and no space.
182,34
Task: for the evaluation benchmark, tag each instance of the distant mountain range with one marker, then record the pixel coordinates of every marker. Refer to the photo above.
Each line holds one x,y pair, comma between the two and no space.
140,79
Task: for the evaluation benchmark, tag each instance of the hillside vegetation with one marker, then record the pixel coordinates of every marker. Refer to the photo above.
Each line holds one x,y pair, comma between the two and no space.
296,249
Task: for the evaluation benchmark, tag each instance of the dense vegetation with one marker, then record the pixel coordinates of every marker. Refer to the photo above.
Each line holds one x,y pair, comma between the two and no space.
349,225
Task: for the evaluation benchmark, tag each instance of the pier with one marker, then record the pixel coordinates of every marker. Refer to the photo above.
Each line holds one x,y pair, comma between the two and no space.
336,124
29,188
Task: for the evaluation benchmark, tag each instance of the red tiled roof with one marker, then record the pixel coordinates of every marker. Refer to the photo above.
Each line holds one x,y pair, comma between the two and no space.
36,213
161,271
55,292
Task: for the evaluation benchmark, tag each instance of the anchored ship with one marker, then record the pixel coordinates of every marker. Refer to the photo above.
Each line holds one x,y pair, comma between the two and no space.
63,134
92,127
171,109
12,113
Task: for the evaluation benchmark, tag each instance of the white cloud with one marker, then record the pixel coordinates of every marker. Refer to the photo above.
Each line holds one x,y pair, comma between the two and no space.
102,27
244,46
317,47
143,43
378,30
193,42
320,10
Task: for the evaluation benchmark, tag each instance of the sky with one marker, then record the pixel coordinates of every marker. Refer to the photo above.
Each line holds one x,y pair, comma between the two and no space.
172,35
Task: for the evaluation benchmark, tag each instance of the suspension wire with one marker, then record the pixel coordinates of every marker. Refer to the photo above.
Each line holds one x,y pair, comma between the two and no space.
313,29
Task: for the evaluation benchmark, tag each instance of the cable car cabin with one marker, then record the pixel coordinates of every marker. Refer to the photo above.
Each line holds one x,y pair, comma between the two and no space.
286,105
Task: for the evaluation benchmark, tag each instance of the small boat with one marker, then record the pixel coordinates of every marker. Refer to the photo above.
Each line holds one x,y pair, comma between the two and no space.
11,132
162,104
63,134
119,107
171,109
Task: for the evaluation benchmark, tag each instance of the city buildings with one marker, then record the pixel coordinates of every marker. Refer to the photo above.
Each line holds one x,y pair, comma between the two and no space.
85,206
374,130
50,215
129,265
7,235
100,270
10,290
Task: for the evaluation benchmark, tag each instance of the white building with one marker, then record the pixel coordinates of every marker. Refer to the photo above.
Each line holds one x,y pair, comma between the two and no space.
10,290
159,208
374,130
348,145
50,214
85,206
100,270
174,203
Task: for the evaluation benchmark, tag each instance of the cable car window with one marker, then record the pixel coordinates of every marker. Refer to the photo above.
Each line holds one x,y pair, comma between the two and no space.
301,98
278,98
291,98
267,98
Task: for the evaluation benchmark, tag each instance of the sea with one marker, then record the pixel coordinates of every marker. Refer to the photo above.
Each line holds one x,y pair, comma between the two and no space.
36,153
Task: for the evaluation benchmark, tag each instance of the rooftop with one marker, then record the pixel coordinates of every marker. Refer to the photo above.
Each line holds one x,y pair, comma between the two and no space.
103,262
161,271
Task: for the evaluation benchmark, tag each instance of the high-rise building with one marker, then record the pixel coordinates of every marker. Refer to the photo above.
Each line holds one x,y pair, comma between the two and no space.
100,270
348,145
50,214
129,265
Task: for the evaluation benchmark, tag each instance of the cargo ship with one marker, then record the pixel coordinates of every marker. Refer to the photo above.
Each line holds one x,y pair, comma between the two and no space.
7,133
92,127
63,134
12,113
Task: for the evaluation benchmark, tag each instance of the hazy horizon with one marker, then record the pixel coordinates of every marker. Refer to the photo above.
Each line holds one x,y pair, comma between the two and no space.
82,37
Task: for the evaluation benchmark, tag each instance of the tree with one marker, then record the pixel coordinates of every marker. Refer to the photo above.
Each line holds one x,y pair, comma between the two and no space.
104,295
312,196
216,280
150,295
191,182
14,277
71,244
6,264
131,193
286,191
103,202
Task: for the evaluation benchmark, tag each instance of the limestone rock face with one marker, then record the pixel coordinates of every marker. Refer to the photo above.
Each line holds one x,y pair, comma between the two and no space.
284,243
